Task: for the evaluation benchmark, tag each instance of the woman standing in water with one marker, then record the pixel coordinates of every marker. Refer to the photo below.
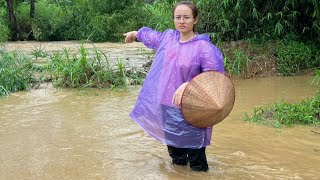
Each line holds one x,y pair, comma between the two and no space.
181,54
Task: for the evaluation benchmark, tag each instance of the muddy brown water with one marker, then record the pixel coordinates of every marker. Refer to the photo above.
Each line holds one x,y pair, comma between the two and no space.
51,133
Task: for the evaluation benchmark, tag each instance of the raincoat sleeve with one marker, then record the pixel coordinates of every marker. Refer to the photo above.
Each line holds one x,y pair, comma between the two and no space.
149,37
211,58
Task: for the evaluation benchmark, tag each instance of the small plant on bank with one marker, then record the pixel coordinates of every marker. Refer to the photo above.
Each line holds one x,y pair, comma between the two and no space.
237,64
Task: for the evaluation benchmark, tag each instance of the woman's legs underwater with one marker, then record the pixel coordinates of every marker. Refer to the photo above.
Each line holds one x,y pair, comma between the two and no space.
196,157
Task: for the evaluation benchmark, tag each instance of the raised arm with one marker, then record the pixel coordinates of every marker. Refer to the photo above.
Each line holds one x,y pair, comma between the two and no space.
149,37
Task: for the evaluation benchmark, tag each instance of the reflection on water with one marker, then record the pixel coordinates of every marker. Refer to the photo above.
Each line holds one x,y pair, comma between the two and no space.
69,134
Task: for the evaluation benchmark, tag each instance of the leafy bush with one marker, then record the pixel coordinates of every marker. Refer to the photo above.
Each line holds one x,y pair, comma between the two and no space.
293,57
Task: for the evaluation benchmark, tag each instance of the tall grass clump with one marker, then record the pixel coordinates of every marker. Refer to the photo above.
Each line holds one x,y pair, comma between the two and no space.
16,72
237,63
89,69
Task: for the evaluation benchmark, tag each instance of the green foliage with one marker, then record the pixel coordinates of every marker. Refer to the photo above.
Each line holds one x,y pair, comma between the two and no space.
106,20
80,20
237,19
293,57
15,72
89,69
237,63
101,21
278,114
316,79
47,23
160,15
39,52
4,30
111,27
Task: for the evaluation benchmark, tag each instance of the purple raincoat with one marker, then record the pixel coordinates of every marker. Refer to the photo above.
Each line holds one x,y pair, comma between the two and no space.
174,64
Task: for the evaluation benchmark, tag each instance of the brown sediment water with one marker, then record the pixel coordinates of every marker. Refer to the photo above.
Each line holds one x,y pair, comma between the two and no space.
52,133
58,133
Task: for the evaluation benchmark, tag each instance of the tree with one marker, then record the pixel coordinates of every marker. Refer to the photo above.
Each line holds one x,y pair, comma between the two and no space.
32,8
13,20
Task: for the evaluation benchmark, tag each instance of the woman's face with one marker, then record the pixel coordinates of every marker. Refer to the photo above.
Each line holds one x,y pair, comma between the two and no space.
183,19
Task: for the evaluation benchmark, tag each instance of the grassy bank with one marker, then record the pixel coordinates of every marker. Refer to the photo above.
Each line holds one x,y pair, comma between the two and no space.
306,112
82,69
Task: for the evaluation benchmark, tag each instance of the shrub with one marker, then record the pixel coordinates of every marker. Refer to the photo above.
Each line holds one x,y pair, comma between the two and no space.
293,57
15,72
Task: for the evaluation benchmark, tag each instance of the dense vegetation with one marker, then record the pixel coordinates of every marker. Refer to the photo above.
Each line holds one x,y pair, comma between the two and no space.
106,20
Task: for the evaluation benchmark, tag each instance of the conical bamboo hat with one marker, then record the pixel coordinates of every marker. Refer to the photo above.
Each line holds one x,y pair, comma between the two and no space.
208,99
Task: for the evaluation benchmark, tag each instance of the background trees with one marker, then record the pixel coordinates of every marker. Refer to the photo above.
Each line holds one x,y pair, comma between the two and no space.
106,20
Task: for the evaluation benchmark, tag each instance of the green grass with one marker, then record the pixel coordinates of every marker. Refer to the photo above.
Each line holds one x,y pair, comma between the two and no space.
91,69
16,72
306,112
82,69
293,57
39,52
237,63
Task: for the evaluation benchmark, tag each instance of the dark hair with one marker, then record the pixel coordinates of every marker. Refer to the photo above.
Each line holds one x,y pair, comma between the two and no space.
190,4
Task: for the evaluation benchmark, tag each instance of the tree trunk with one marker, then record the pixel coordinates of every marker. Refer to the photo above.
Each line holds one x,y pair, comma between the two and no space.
32,8
13,19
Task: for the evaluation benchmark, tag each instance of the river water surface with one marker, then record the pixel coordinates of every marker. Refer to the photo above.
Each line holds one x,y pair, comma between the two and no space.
51,133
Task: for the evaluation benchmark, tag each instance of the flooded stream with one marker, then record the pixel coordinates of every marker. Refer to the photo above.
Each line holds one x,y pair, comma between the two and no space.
51,133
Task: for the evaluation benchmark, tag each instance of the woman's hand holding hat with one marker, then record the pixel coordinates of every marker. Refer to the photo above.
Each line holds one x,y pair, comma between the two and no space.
177,96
